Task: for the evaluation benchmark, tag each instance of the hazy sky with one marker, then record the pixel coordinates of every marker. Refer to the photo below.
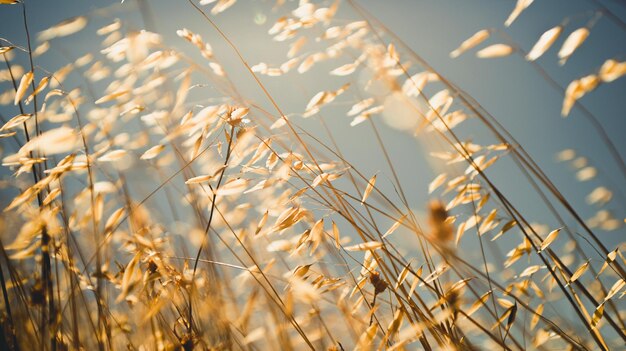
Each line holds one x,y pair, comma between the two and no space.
509,88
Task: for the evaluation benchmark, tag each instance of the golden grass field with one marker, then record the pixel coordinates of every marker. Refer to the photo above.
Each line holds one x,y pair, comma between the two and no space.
150,202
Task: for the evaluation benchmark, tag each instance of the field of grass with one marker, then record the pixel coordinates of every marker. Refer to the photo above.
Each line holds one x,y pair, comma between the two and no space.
310,179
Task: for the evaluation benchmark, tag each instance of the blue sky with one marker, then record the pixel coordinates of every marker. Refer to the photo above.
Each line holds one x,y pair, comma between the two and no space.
509,88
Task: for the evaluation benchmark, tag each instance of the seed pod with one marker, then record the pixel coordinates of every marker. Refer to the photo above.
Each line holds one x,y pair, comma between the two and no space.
379,284
441,230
